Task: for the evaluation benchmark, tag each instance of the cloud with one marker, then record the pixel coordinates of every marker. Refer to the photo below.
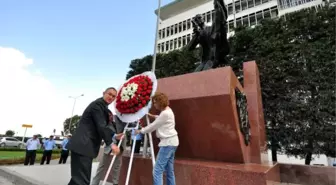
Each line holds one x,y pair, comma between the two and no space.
27,97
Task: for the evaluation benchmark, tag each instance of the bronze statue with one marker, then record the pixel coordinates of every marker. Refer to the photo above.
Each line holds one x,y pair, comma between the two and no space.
212,39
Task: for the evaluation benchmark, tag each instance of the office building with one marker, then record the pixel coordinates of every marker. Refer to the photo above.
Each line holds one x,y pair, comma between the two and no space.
175,28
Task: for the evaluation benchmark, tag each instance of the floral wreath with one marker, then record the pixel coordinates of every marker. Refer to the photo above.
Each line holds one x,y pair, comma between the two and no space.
133,99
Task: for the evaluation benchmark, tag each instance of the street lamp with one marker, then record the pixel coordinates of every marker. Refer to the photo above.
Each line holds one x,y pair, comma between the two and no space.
73,108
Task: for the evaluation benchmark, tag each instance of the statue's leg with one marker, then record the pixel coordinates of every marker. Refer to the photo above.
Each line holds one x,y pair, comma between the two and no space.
200,67
208,65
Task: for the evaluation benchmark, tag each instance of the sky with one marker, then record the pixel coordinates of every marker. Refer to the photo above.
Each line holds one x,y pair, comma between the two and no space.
50,50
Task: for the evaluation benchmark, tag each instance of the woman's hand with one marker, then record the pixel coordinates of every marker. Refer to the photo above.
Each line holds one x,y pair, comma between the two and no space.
152,116
119,136
136,132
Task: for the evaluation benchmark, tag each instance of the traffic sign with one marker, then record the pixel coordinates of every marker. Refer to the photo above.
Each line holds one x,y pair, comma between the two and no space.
27,126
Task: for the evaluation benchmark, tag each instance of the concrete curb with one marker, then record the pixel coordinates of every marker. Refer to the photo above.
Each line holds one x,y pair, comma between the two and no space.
17,178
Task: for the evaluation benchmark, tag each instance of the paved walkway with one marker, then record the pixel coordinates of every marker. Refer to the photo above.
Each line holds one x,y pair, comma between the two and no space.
53,174
4,181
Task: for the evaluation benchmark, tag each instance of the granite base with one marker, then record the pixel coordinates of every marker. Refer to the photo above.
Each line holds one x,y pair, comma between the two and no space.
195,172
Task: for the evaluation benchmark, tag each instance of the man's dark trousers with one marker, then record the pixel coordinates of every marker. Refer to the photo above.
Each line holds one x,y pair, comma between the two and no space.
30,157
46,154
64,156
80,169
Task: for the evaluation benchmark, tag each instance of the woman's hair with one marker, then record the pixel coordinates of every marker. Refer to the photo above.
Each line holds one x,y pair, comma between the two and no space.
161,99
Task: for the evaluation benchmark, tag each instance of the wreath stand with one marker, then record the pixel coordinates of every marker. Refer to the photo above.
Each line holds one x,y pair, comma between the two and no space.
132,152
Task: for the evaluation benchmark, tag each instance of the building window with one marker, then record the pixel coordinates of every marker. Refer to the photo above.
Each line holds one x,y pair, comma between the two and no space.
180,27
159,47
237,7
245,21
259,16
252,19
172,30
168,31
267,14
171,45
162,47
244,4
257,2
163,33
230,9
231,26
188,38
274,12
160,36
167,45
184,25
175,43
183,41
188,24
176,28
208,17
250,3
239,22
179,42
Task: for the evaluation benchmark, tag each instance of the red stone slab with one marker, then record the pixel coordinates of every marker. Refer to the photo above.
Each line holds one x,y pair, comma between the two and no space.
255,111
194,172
204,104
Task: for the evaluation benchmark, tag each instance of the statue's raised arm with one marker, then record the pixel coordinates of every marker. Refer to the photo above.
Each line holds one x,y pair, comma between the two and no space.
212,39
198,26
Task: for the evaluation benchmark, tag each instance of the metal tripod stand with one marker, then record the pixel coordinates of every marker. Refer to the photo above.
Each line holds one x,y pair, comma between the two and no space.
132,152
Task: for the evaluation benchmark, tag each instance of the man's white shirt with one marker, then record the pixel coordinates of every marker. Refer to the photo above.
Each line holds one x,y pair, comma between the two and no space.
33,144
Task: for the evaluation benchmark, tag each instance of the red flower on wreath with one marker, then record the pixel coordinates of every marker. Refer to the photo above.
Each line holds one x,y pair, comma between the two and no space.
134,94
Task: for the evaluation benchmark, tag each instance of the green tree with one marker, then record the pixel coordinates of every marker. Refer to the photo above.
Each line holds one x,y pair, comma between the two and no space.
171,64
10,133
74,124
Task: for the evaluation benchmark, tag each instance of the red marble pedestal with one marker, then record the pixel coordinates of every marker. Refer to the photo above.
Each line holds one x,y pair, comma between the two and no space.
196,172
207,123
204,104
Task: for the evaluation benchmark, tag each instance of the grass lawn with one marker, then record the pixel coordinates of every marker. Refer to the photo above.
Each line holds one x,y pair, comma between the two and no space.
13,154
17,157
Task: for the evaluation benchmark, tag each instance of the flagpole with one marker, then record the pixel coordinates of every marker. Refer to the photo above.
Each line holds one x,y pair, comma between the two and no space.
153,70
156,35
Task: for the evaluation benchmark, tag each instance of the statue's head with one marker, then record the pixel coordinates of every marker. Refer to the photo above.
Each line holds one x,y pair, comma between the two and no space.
199,20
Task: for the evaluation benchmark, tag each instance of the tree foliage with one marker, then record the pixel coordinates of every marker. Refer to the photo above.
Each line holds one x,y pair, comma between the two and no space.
10,133
171,64
74,124
296,59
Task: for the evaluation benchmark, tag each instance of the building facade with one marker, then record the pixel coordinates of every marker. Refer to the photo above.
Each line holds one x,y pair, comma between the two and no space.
175,28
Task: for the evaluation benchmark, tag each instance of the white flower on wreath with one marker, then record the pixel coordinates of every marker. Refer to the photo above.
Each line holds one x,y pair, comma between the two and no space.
127,92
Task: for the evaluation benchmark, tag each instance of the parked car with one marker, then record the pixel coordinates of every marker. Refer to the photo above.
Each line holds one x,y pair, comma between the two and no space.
58,142
11,142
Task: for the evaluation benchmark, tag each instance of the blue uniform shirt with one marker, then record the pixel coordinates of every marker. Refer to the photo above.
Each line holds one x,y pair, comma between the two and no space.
137,137
64,143
49,144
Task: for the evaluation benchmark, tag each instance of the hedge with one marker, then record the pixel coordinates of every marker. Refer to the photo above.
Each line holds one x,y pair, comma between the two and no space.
22,159
39,151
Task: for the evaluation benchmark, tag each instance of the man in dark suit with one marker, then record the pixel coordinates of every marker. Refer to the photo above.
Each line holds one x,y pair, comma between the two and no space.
85,143
118,126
